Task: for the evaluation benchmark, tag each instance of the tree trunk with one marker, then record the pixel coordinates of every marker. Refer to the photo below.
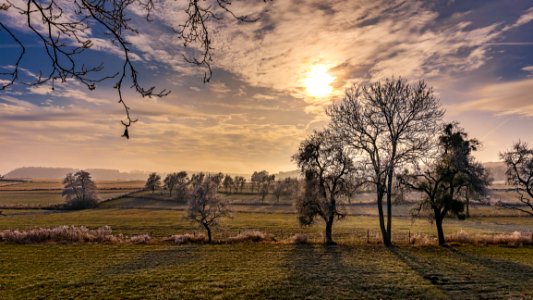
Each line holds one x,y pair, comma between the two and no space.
467,203
208,233
329,227
440,232
384,234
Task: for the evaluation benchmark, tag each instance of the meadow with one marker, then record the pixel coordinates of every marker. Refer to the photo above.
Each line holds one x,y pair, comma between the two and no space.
358,267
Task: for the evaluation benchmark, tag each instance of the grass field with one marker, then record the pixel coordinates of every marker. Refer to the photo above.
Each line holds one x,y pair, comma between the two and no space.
257,271
48,192
359,267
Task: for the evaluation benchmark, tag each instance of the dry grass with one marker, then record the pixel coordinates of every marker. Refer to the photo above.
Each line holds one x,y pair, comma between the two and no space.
69,234
251,236
297,239
512,239
187,238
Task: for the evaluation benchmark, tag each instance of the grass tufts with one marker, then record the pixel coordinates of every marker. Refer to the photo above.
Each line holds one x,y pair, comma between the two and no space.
251,236
187,238
61,234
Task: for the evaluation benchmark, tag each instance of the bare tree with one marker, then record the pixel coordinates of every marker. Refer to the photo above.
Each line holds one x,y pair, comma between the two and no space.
519,162
264,184
197,179
448,176
174,179
292,187
206,208
153,182
279,188
80,190
228,183
325,163
64,31
388,124
217,179
239,183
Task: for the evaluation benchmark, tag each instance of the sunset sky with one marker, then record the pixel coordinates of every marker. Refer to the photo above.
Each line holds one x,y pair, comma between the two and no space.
272,80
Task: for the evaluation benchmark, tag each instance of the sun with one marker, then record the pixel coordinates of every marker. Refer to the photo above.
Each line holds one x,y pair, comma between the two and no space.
318,82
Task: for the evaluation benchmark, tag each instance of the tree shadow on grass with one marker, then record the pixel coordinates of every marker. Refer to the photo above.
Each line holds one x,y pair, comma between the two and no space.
174,256
465,276
332,272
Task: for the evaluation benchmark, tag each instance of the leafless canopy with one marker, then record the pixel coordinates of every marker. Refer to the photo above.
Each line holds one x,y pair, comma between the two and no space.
64,28
519,161
387,124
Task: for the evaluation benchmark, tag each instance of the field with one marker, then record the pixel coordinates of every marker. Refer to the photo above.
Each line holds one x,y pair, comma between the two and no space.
40,194
358,267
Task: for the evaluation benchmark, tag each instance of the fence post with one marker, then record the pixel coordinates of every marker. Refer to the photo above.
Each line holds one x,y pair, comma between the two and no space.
368,236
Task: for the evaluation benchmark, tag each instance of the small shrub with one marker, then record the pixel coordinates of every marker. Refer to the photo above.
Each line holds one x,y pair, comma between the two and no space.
422,240
77,204
140,239
297,239
251,236
179,239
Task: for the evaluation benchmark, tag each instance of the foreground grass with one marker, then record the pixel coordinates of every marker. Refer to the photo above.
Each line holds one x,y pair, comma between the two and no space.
263,271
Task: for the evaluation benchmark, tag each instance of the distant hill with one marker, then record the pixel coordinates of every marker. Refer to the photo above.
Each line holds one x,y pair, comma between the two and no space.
59,173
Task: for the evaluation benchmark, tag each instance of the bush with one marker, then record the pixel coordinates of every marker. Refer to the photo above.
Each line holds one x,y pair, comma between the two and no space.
179,239
61,234
77,204
512,239
251,236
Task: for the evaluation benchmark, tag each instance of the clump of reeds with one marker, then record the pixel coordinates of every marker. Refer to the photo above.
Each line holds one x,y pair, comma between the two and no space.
296,239
185,238
512,239
251,236
61,234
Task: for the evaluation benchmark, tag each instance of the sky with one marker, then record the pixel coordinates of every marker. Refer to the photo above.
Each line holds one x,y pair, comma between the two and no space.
271,81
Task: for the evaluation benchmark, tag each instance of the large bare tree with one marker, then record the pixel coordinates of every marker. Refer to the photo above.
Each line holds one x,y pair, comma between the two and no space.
65,30
388,124
324,162
519,162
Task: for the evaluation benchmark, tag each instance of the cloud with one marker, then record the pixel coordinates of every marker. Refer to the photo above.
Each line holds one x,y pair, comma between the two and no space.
503,98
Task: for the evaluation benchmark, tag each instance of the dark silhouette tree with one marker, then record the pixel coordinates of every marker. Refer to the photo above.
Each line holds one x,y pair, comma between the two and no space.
228,183
205,208
80,190
173,180
64,31
451,173
153,182
240,181
323,160
519,162
387,124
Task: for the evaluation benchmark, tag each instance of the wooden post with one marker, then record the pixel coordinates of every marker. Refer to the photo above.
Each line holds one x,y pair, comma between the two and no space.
368,236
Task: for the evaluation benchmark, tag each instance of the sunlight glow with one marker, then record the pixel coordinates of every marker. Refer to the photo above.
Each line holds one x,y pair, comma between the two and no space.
318,82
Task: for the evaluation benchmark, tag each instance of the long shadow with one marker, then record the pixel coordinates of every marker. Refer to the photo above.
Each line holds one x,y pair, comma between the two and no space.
332,272
151,260
461,275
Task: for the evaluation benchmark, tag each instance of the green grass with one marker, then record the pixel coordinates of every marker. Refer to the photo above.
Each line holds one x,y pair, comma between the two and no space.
257,271
31,198
353,269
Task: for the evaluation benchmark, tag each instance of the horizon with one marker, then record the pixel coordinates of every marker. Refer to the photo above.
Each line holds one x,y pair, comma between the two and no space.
272,80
